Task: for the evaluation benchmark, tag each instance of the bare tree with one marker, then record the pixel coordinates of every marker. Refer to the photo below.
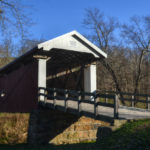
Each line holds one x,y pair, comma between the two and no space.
137,34
14,23
6,52
103,36
102,28
128,64
28,44
13,18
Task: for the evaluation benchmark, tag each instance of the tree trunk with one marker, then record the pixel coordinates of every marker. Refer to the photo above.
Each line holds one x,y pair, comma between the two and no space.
112,73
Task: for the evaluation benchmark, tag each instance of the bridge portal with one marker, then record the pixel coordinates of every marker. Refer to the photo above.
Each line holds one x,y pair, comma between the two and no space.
67,62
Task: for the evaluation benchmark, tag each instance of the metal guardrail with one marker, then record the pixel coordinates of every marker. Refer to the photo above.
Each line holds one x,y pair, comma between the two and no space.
80,97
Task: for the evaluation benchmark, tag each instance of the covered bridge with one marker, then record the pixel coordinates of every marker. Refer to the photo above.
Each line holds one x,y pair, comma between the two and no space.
67,61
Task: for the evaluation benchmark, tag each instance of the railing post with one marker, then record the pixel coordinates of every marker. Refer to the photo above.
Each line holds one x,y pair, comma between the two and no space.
41,77
95,105
54,95
38,94
45,96
66,100
106,99
148,104
132,102
41,95
116,106
79,103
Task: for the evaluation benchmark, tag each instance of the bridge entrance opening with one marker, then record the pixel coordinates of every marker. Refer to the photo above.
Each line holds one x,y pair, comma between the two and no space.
68,62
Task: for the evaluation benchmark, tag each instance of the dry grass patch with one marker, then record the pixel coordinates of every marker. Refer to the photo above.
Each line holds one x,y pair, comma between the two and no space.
13,128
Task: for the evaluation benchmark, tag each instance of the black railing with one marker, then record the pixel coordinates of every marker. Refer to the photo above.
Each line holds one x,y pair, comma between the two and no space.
46,94
131,99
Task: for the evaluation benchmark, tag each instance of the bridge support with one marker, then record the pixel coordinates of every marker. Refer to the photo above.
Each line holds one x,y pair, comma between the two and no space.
56,127
42,77
90,78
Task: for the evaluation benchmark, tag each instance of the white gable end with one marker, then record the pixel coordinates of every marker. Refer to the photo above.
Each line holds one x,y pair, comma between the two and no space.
70,42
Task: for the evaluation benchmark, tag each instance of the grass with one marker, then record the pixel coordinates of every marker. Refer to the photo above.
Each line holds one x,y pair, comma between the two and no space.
134,135
13,128
131,136
89,146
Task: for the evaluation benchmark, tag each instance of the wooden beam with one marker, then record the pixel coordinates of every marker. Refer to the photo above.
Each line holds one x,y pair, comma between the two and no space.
62,73
41,57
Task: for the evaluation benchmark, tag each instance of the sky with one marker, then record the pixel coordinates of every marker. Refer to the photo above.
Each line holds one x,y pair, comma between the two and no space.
56,17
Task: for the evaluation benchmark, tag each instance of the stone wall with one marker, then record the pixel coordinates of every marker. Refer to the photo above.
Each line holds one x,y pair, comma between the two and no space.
56,127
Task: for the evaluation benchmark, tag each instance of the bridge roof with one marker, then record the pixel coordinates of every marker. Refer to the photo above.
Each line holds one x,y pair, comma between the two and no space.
70,48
